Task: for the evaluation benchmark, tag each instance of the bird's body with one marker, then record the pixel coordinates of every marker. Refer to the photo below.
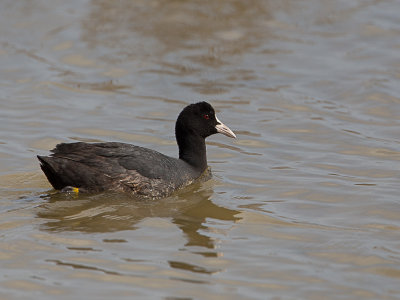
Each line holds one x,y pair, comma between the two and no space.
97,167
118,167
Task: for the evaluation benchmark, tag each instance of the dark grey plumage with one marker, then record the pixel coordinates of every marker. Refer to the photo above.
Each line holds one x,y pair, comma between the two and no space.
97,167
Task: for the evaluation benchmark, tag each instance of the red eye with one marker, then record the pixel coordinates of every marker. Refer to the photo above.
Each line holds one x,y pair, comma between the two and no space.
206,116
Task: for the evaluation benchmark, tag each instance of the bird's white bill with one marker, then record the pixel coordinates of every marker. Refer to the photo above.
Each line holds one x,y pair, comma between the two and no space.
222,128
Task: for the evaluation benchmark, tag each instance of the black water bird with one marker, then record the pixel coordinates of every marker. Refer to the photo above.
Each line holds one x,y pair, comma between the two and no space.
112,166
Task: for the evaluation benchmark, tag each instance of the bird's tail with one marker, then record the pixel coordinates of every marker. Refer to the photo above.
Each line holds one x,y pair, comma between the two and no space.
49,171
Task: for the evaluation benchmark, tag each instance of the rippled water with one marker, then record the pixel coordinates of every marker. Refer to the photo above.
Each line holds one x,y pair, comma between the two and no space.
303,205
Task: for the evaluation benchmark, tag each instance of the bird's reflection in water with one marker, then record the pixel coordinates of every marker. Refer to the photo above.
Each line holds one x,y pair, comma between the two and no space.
102,213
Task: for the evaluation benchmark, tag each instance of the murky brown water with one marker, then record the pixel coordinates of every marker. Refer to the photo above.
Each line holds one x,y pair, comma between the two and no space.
303,205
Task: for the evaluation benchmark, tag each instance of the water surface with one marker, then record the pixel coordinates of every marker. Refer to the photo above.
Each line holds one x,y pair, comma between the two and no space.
303,205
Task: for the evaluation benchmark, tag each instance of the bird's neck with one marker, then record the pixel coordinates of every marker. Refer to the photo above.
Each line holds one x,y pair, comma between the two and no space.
192,149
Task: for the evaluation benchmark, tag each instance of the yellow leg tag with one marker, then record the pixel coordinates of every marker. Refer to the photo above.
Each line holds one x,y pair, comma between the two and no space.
75,190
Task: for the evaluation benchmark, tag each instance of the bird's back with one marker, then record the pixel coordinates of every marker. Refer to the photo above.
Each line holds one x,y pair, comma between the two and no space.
123,167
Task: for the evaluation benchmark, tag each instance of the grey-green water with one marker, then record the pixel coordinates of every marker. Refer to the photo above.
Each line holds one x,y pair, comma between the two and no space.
303,205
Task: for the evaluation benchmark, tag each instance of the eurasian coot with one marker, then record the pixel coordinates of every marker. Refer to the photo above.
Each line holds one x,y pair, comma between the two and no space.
96,167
